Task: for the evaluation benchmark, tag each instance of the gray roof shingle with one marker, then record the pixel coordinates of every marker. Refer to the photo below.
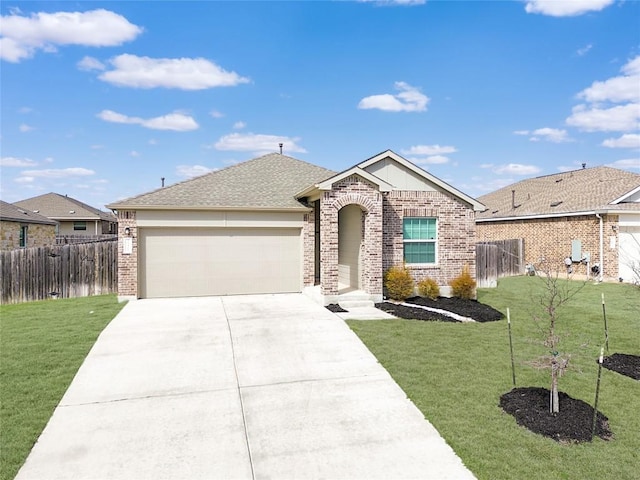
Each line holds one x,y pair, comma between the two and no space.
266,182
584,190
12,213
58,207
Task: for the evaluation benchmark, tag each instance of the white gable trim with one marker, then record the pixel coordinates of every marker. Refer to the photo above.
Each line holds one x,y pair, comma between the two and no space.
626,196
477,206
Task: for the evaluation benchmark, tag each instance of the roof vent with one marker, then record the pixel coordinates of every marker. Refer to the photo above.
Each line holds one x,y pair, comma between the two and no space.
36,211
559,180
555,204
280,145
584,165
72,211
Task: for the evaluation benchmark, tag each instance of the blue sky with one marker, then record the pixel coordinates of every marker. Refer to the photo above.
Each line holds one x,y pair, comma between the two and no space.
102,99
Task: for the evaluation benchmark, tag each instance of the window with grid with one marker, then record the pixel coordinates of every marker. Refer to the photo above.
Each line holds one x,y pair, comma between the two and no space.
419,236
79,225
23,236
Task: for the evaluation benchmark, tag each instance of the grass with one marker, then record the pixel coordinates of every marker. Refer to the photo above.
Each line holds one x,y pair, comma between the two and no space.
42,345
455,374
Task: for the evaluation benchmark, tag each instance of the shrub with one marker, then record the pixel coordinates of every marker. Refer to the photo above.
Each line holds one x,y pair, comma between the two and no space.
463,286
429,288
399,283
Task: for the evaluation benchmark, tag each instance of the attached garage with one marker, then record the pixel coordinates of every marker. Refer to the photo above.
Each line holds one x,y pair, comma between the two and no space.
629,257
187,262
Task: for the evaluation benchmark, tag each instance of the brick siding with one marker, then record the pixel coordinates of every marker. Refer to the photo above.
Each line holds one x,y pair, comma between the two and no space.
550,239
455,237
127,264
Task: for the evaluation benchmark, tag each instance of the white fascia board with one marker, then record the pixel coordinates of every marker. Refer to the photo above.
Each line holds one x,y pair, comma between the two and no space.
534,217
626,195
477,206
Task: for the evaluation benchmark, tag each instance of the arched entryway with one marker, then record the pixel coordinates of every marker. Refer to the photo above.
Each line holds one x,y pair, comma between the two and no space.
350,221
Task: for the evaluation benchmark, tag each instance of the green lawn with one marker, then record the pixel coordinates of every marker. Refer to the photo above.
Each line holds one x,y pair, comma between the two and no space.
455,374
42,345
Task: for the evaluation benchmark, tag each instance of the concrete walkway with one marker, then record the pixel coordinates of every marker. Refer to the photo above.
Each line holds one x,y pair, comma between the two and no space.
246,387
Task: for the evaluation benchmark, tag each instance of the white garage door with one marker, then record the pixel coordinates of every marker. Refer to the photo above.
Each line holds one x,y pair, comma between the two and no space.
188,262
629,257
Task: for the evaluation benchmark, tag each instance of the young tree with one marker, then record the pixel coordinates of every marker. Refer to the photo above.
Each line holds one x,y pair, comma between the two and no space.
553,292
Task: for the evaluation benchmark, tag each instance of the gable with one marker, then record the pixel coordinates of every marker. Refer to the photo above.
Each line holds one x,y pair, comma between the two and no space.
399,176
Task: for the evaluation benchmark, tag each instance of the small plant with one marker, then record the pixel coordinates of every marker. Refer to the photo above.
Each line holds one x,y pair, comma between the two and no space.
399,283
429,288
463,286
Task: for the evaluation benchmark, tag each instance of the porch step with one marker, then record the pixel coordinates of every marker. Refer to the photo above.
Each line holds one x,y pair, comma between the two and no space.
347,304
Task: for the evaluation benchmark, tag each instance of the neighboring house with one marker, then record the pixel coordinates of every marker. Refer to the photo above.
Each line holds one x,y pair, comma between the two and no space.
73,216
22,228
585,216
277,224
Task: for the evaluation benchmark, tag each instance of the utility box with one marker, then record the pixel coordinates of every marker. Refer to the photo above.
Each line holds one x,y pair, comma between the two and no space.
576,250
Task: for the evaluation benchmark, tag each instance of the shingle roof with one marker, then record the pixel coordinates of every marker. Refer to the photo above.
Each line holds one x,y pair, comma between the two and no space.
59,207
12,213
269,181
585,190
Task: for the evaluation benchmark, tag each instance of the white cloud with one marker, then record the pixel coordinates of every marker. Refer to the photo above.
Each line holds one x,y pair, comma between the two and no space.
622,118
628,140
25,110
239,125
410,99
24,179
626,164
521,132
90,63
133,153
584,50
152,141
613,105
58,172
182,73
258,143
550,135
17,162
97,147
190,171
565,8
216,114
175,121
23,36
516,169
24,128
429,150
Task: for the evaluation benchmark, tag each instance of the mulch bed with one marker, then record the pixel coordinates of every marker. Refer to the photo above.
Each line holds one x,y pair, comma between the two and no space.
335,308
574,422
467,308
624,364
414,313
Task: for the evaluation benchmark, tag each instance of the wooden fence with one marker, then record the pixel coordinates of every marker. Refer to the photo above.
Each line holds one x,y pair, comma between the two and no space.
62,271
64,239
497,259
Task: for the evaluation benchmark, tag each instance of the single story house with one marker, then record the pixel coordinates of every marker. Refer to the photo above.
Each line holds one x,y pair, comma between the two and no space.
73,216
586,220
22,228
277,224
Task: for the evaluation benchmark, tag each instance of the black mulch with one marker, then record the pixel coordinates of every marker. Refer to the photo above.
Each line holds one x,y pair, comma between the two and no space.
335,308
414,313
574,422
467,308
628,365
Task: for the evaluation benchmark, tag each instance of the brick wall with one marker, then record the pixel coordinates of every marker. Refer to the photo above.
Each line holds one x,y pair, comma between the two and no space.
127,264
37,235
456,233
308,247
351,190
550,238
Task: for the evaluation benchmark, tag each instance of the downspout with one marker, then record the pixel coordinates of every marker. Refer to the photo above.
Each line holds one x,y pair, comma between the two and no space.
601,246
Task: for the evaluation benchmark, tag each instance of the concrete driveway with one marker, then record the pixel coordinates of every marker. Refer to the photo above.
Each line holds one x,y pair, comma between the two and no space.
261,386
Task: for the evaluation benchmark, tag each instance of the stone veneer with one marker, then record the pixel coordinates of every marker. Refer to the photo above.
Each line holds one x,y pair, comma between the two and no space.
37,235
550,238
455,239
127,264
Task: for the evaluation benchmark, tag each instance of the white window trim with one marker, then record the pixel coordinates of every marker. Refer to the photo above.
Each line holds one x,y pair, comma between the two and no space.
419,240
